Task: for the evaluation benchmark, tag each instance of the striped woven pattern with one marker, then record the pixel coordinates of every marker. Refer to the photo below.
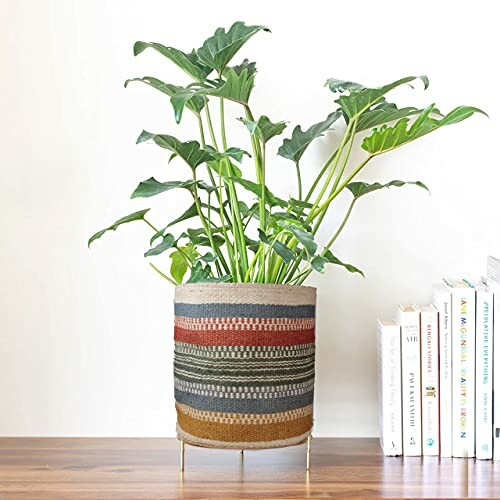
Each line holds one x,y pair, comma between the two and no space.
244,364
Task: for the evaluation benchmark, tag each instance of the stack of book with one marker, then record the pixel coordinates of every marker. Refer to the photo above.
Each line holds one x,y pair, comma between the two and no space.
437,376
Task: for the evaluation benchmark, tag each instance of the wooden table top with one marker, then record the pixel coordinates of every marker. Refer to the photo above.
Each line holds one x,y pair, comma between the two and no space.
138,468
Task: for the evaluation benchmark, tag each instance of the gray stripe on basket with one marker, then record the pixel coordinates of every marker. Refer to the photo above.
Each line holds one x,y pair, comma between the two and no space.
229,405
243,311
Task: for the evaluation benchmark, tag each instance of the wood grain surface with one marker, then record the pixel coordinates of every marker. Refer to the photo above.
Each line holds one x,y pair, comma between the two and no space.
138,468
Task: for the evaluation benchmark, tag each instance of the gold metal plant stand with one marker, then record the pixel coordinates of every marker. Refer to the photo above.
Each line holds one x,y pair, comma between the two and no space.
308,454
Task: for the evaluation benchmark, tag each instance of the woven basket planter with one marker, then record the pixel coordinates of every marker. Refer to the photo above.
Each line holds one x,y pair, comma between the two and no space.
244,364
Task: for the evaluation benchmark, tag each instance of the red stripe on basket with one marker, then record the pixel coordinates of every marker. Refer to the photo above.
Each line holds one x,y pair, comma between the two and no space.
237,337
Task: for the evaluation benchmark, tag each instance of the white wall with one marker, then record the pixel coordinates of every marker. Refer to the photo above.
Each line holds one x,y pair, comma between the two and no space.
86,336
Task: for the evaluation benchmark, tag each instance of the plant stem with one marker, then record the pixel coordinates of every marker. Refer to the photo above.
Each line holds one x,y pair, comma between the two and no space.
206,226
338,176
252,264
162,274
231,194
202,132
150,225
259,153
298,276
320,175
332,171
331,241
223,124
210,125
348,179
229,246
299,180
219,199
238,232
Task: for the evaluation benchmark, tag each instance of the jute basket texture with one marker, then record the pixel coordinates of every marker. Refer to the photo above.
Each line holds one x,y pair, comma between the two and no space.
244,364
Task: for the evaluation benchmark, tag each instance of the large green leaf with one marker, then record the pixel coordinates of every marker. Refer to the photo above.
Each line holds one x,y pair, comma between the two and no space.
181,99
190,151
336,85
225,168
294,148
178,266
194,104
232,152
277,246
319,261
245,64
198,237
384,112
218,50
167,242
361,98
305,238
256,189
128,218
264,128
152,187
236,153
191,212
236,87
199,273
387,138
359,189
284,219
189,63
283,251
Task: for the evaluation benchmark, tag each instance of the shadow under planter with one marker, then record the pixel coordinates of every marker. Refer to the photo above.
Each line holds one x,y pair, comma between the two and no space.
244,364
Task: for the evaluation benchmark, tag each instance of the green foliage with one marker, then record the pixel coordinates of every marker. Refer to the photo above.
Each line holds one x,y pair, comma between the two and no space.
359,189
218,50
195,103
264,129
361,99
190,151
294,148
189,63
128,218
167,242
244,230
236,87
387,138
152,187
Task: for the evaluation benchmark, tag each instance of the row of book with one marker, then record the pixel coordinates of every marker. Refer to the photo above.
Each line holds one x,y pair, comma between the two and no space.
437,376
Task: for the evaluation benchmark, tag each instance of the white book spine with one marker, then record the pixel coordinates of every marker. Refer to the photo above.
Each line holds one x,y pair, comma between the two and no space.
442,302
430,380
496,372
410,382
484,382
463,329
493,277
389,358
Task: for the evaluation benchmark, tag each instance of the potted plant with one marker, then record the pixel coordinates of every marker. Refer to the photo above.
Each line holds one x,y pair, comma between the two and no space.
244,322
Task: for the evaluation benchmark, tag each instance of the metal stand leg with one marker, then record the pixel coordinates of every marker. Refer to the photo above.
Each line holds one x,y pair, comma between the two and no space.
182,456
308,457
241,455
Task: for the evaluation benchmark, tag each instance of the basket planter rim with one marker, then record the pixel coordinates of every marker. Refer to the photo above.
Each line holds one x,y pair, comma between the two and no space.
245,293
274,286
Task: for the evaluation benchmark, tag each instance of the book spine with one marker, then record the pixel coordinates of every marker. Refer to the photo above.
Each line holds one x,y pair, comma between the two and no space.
496,369
484,385
410,376
391,436
463,371
430,382
442,302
